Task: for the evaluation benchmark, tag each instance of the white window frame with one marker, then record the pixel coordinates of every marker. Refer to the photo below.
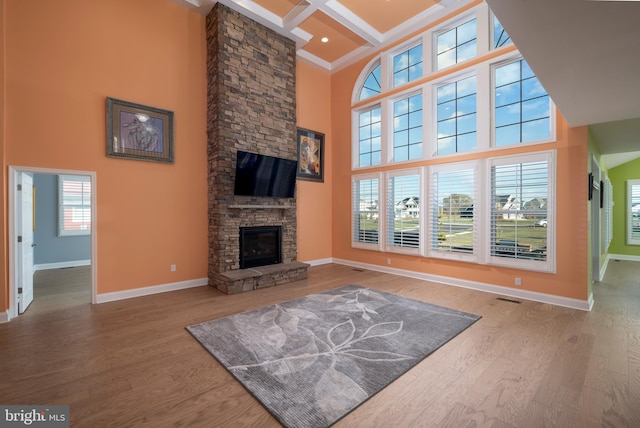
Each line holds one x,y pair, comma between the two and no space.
355,137
608,213
357,88
389,118
628,214
492,36
450,25
473,72
478,212
549,265
388,201
401,49
379,246
84,206
502,61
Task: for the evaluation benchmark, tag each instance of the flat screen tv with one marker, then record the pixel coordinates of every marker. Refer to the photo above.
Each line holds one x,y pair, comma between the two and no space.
261,175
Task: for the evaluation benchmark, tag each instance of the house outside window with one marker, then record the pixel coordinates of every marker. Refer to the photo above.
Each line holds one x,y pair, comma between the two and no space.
366,210
521,211
403,206
74,205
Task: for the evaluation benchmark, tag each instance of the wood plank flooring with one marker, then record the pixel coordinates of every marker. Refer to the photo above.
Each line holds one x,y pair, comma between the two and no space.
131,363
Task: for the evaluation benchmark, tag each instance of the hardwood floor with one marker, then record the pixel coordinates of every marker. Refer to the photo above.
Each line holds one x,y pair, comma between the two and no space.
132,363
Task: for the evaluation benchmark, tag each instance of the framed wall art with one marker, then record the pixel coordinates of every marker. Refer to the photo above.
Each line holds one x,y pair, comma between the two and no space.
136,131
310,155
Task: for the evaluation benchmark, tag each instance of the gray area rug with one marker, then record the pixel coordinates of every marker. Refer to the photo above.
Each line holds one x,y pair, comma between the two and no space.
312,360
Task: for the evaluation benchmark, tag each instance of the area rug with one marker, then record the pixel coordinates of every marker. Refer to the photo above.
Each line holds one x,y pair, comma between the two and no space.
312,360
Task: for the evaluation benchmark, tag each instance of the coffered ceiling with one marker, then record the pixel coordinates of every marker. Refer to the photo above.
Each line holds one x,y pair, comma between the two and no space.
352,28
585,52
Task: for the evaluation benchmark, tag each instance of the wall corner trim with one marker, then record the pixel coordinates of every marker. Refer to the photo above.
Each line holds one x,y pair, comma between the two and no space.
583,305
147,291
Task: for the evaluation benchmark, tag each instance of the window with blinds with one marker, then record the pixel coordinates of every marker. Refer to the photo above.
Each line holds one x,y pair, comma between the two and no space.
403,210
521,211
608,213
633,212
74,205
454,210
366,214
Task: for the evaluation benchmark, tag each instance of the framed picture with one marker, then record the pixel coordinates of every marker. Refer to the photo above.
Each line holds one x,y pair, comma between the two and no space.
135,131
310,155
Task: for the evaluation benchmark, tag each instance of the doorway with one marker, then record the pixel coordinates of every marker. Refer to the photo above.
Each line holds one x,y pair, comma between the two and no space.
595,221
21,211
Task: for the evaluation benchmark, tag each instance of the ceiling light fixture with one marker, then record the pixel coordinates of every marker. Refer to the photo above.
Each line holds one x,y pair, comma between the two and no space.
324,39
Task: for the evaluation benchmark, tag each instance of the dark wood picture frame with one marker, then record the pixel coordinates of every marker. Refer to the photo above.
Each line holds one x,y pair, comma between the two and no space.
310,155
136,131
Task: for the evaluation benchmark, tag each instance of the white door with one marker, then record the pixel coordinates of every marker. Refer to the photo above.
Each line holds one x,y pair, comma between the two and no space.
25,239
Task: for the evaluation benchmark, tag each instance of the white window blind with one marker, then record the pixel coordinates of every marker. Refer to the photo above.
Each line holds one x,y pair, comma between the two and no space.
403,207
608,213
74,205
521,212
366,214
454,211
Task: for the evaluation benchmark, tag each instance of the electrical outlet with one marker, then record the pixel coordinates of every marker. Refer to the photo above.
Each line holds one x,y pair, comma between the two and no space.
388,261
518,282
173,268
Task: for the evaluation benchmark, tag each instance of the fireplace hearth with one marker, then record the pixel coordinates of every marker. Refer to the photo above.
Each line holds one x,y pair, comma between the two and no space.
260,246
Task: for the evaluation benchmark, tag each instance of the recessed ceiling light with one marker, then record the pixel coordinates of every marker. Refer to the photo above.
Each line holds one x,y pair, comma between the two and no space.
324,39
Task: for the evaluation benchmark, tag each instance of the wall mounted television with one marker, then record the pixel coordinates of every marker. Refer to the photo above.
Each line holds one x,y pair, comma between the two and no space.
261,175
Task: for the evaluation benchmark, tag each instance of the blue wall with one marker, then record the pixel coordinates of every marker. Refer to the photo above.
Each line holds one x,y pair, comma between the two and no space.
51,248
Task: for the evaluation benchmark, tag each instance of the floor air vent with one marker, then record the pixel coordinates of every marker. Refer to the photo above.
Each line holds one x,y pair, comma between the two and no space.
508,300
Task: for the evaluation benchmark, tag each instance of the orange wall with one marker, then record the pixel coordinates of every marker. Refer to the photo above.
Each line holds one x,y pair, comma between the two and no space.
62,60
313,92
3,229
571,201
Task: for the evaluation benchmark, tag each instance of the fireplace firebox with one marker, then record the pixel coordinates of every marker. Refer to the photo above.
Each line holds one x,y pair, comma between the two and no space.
260,246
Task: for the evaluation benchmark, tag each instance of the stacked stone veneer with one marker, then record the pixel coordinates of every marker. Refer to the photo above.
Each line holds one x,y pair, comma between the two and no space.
251,107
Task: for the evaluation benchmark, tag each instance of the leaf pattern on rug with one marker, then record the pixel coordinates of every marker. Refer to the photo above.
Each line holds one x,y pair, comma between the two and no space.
313,359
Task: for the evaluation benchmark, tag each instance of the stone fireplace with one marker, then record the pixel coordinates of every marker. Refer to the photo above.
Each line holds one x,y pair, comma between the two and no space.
251,107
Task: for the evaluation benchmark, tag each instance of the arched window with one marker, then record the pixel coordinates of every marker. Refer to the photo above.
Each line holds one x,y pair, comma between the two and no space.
371,85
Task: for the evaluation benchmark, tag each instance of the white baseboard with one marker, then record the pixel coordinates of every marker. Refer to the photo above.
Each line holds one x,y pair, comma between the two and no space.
319,262
603,268
4,317
624,257
59,265
584,305
147,291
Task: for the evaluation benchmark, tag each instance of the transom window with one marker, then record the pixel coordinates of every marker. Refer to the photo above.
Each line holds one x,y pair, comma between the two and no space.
371,84
522,106
456,105
407,128
407,66
456,45
500,36
370,138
